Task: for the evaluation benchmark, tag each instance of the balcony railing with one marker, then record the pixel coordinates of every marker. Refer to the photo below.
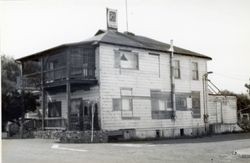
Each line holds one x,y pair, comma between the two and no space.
32,81
55,74
83,72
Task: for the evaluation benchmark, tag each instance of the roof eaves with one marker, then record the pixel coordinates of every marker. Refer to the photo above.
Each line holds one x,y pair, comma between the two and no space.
53,48
165,51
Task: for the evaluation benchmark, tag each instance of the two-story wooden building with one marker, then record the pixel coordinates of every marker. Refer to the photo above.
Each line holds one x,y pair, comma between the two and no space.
126,78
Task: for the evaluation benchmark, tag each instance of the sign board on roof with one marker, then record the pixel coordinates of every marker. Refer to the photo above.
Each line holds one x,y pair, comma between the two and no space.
112,19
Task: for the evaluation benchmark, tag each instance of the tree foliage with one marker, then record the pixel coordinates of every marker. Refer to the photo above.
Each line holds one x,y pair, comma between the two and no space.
10,71
243,102
15,103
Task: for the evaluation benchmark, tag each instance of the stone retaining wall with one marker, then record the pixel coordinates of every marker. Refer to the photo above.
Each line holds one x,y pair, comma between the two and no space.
47,134
73,136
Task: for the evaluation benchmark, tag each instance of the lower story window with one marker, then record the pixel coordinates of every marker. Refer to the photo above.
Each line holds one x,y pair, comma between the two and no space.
126,104
123,104
160,105
196,105
54,109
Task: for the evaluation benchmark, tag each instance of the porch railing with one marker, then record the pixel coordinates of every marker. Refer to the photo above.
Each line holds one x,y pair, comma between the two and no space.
84,72
30,81
34,80
55,123
55,74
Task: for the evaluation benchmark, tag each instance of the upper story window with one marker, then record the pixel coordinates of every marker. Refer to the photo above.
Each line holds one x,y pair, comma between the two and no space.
195,71
126,60
155,63
177,70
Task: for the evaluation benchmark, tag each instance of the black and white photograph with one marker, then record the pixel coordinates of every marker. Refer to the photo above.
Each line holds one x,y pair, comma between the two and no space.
125,81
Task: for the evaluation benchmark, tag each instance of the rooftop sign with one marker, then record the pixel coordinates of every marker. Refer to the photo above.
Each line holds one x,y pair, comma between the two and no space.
111,19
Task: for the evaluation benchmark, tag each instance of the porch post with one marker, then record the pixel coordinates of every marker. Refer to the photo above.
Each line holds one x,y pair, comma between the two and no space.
43,94
68,89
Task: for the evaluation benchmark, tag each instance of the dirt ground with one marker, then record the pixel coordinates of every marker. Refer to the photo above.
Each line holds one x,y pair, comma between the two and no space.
212,149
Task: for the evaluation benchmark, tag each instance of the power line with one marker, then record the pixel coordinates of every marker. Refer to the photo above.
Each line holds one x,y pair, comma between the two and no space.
235,78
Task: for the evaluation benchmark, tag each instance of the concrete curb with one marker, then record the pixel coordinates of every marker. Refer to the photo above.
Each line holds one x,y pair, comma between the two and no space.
244,153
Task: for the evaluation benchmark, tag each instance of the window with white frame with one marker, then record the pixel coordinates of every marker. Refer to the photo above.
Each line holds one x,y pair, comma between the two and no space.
126,104
126,95
195,71
162,104
177,70
126,60
155,64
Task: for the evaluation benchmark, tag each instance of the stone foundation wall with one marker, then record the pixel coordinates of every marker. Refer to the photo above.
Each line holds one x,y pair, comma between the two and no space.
169,133
47,134
73,136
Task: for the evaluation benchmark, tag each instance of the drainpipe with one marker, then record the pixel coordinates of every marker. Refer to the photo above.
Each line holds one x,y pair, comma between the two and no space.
171,49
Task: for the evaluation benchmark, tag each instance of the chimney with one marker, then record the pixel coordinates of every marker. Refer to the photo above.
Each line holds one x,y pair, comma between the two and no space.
112,19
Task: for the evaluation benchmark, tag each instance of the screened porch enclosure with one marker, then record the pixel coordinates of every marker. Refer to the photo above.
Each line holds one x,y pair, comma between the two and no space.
79,64
74,63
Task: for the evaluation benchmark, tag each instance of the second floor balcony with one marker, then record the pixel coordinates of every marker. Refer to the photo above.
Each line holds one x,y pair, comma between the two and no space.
74,64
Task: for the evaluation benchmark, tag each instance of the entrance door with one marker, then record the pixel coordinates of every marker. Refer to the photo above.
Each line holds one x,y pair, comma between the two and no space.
87,116
75,114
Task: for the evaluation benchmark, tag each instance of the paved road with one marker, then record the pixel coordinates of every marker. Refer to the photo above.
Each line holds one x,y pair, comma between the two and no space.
209,149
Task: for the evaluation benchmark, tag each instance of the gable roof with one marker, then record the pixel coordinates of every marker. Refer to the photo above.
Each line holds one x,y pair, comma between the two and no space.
129,40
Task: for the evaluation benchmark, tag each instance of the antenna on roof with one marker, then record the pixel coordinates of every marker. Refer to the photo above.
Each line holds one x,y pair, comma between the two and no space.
126,4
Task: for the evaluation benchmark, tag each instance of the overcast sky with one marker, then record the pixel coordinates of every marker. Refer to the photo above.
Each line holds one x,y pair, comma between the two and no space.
217,28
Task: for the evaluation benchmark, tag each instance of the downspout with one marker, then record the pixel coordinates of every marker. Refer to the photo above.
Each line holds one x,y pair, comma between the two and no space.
171,49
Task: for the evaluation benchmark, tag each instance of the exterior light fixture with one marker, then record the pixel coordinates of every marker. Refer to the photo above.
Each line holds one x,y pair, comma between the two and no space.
209,72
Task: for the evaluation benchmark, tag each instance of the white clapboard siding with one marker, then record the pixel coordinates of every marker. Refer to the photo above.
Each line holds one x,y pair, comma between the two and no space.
142,81
229,109
222,109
